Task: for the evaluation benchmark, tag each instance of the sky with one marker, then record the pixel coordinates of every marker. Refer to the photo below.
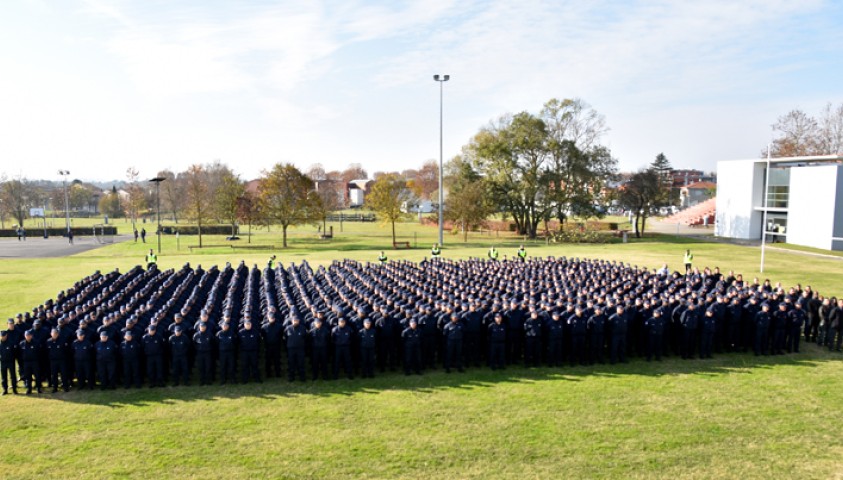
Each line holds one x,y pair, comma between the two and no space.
97,86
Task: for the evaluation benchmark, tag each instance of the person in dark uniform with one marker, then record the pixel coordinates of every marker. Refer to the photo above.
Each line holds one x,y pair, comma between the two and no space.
708,327
386,327
412,348
798,319
249,341
31,359
532,338
617,330
179,351
497,343
226,349
368,343
272,333
143,235
83,354
690,322
296,338
578,325
153,349
57,356
430,332
762,324
341,336
106,361
130,352
320,337
203,342
654,329
779,321
453,333
7,363
596,335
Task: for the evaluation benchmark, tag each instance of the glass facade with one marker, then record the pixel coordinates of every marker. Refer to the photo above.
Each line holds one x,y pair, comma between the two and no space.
778,188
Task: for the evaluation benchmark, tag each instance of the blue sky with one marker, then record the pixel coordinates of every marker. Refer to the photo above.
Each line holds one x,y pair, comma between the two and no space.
96,86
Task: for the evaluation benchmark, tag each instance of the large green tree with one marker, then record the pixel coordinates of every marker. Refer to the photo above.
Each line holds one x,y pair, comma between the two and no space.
287,197
198,198
640,193
536,167
386,197
226,199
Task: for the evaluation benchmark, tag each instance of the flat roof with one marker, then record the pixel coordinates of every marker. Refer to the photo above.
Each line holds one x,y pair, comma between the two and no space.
805,159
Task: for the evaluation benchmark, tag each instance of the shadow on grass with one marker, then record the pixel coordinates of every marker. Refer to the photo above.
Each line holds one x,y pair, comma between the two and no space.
437,380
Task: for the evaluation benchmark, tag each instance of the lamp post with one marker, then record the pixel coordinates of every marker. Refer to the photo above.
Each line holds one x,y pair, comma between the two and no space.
64,174
441,79
157,181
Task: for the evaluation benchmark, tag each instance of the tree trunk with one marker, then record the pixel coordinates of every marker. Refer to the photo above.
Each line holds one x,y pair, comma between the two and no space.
464,233
199,227
284,236
637,218
643,222
393,234
250,231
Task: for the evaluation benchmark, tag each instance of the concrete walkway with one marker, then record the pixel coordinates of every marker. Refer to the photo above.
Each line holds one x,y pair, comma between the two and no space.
39,247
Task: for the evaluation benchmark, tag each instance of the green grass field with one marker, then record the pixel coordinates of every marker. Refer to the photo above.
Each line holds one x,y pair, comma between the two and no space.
736,416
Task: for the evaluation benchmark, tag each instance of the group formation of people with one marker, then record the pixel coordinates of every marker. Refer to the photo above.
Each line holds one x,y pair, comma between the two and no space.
236,323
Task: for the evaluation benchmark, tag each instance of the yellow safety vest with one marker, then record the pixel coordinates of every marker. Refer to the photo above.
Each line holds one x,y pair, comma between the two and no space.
151,258
522,253
493,254
435,252
689,257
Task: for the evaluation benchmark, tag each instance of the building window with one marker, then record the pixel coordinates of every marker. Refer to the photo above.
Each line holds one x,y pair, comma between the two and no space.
778,188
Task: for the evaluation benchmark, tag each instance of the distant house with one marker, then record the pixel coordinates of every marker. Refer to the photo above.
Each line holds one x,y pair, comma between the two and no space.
252,186
357,190
696,193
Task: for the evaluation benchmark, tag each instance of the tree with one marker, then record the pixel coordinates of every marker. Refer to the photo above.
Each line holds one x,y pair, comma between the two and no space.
248,210
316,172
196,187
830,133
661,166
172,193
797,135
427,179
385,198
468,206
110,204
287,197
639,194
136,198
80,196
229,191
17,196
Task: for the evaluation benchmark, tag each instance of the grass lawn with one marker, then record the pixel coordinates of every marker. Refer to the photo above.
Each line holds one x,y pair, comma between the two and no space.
736,416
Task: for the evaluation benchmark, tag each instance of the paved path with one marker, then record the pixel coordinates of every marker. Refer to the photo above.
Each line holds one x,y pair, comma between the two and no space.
38,247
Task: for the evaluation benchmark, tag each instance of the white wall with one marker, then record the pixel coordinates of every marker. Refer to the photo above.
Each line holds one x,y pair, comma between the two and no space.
812,205
740,184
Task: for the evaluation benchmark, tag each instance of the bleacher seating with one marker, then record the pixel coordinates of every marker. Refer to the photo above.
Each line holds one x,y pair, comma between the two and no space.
696,215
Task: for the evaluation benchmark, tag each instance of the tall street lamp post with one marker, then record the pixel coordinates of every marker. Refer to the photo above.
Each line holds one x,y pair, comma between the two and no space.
441,79
157,181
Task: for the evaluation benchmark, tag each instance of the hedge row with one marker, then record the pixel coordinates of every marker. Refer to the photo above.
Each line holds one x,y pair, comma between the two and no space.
60,232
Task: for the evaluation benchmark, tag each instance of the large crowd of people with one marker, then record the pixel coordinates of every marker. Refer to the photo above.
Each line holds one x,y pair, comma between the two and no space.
241,324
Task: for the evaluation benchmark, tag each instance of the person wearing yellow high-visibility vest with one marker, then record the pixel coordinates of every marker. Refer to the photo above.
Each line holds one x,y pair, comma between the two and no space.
382,258
435,251
522,254
271,263
493,254
151,259
689,260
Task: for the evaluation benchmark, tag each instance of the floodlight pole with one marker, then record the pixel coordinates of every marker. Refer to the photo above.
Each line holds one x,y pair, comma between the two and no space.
441,79
64,174
766,206
157,181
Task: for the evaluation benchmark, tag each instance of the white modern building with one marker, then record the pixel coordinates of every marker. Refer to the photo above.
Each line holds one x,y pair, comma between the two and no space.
803,201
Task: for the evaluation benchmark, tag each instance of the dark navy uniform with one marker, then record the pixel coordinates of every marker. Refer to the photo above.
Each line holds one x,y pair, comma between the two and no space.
341,336
412,349
106,362
153,349
296,337
654,328
179,351
532,337
798,320
226,346
708,328
368,343
57,355
578,325
203,342
31,358
249,350
272,333
83,354
762,325
7,363
596,336
453,333
130,352
617,329
319,339
497,346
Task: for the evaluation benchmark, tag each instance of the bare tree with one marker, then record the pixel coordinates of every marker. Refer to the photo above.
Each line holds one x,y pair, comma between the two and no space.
172,193
830,131
136,197
196,187
18,195
797,135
